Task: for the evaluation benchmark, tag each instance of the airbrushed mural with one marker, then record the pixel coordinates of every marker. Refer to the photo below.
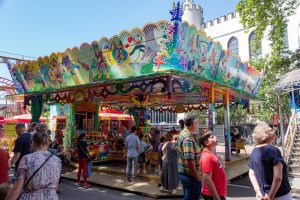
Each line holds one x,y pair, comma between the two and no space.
154,48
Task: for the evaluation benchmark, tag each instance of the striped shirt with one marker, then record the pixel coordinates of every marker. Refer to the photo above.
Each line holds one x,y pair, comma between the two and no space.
187,149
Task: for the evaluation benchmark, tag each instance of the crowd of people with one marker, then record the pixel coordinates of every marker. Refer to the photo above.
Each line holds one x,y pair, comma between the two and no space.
36,169
186,159
194,162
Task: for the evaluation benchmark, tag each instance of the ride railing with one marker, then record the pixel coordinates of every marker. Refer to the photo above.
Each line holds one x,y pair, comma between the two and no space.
290,137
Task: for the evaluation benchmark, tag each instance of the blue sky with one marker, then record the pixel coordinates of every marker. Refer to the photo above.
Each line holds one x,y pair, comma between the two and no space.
39,27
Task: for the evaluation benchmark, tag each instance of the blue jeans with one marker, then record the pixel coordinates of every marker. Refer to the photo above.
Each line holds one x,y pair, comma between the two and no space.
131,169
191,187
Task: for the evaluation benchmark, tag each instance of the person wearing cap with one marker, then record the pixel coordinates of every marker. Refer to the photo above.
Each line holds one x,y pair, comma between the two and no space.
22,145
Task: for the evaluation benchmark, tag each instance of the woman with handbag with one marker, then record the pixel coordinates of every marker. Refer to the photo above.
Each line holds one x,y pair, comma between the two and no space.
38,173
83,160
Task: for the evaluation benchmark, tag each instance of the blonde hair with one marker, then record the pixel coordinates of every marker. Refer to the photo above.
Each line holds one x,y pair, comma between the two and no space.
40,138
260,135
42,127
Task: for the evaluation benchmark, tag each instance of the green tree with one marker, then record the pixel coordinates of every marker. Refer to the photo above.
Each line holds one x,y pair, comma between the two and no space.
267,17
274,67
202,115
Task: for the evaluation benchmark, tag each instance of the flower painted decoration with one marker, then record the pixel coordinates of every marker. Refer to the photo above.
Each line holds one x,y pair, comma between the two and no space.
159,61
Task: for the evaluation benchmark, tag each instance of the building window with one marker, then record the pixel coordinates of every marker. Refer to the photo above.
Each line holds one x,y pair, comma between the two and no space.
258,52
233,46
286,39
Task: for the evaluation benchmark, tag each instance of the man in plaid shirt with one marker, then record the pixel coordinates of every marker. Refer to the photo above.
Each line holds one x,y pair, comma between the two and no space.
188,159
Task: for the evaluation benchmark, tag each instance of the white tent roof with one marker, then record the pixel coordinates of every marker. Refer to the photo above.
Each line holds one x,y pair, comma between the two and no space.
288,80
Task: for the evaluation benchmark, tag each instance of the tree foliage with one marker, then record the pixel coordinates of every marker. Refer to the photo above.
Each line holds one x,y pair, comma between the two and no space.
267,17
274,67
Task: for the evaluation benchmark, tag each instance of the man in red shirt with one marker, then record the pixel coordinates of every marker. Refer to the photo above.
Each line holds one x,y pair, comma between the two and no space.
4,167
212,168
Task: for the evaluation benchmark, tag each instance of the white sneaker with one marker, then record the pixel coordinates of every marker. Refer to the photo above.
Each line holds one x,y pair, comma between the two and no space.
173,192
161,188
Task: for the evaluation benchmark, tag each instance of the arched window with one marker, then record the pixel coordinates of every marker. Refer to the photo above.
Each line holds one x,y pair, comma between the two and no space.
233,45
258,52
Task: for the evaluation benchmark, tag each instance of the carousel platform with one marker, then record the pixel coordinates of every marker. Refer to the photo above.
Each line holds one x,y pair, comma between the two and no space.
112,175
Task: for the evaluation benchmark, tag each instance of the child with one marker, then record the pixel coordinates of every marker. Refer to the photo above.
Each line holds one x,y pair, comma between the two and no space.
62,155
142,156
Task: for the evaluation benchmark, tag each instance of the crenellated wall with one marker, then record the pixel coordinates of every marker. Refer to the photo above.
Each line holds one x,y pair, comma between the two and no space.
223,28
191,6
192,13
221,19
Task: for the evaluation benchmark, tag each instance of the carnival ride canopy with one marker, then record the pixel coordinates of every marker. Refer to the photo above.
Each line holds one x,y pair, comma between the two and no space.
22,118
289,81
162,63
114,115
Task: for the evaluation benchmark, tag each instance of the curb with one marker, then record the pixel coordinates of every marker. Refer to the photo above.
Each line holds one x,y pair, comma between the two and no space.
134,192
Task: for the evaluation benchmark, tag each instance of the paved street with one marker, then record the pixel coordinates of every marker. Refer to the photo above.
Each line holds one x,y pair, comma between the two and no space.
69,191
239,189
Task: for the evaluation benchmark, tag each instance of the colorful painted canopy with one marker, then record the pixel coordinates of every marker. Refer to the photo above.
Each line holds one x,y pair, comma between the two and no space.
159,49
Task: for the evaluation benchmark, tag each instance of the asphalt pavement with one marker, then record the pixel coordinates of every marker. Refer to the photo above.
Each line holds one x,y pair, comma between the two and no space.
238,189
70,191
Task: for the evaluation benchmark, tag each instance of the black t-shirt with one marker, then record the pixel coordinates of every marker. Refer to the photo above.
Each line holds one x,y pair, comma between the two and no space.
261,162
235,138
22,146
82,149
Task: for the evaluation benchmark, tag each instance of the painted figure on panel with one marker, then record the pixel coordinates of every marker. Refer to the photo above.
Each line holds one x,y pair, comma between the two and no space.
139,46
118,52
55,72
27,73
70,67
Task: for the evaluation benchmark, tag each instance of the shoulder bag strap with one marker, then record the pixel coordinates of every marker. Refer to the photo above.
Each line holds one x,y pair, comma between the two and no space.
37,171
84,151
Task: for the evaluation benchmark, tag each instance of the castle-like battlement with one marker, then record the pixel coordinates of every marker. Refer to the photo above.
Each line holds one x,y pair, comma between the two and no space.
192,7
221,19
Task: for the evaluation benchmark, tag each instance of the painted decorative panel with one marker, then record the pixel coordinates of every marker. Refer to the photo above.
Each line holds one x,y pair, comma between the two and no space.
154,48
